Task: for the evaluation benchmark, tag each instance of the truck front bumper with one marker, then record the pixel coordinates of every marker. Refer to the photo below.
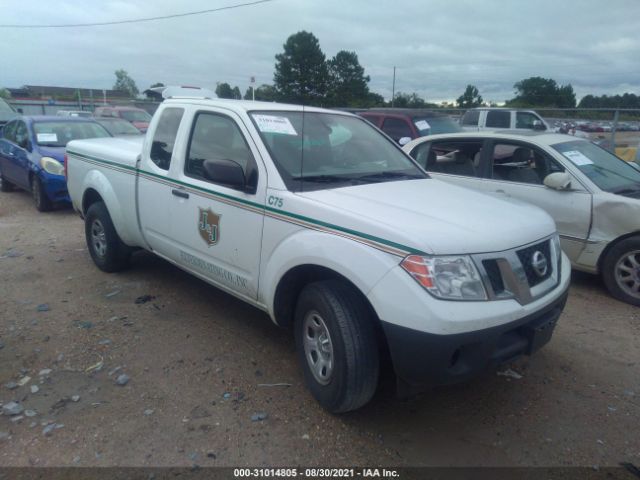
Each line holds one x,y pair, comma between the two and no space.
424,359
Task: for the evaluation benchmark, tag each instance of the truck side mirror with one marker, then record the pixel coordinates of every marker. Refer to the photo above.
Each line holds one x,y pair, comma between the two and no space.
538,125
558,181
404,140
225,172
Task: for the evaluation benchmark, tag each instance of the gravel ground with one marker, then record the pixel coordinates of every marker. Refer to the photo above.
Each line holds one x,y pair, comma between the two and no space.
179,379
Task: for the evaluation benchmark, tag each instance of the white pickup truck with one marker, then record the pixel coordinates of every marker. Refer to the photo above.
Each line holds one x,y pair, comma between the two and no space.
320,220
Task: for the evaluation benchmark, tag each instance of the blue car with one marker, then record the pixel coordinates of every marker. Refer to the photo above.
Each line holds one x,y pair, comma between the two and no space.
32,155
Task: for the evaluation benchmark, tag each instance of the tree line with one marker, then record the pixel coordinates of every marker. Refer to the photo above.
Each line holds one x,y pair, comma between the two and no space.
304,75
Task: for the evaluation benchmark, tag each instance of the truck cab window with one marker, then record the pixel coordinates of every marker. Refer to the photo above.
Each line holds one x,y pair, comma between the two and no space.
164,137
215,137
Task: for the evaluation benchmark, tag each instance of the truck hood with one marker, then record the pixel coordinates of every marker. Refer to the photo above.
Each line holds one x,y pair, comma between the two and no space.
431,216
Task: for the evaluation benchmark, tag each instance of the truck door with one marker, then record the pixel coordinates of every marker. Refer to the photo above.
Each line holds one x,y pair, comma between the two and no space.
217,230
154,190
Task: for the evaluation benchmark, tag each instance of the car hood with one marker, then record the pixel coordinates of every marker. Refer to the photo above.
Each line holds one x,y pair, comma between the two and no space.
53,152
430,216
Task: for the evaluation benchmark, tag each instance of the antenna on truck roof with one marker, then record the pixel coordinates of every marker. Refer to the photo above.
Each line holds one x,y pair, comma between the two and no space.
175,91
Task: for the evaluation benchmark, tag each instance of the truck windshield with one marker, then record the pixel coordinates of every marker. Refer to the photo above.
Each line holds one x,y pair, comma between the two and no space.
314,150
58,134
604,169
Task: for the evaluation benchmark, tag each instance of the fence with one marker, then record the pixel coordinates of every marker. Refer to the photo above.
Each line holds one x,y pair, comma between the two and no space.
51,107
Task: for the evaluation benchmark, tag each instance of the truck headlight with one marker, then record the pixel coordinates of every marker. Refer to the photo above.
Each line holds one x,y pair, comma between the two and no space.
52,166
449,278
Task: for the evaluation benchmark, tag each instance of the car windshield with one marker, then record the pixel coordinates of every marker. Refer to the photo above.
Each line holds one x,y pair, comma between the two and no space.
58,134
117,126
322,150
604,169
135,115
435,125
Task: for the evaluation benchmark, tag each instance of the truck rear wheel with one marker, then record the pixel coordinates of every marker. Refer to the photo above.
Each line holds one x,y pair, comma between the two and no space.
621,271
336,345
108,252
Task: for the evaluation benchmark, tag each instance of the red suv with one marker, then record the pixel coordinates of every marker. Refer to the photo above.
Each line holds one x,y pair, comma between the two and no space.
137,116
405,124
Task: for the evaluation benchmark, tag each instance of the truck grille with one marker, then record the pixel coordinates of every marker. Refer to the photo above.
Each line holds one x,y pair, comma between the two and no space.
526,259
521,273
494,275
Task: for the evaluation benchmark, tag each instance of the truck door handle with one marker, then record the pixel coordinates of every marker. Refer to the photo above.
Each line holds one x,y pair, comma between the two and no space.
180,193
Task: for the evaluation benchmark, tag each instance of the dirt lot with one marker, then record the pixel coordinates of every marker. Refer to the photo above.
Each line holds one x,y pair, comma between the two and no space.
198,360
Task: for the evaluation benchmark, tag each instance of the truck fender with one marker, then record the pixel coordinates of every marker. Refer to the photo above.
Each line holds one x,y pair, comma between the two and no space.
97,181
360,264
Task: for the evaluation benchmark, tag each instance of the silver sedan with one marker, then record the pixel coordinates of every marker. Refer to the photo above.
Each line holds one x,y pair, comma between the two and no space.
593,196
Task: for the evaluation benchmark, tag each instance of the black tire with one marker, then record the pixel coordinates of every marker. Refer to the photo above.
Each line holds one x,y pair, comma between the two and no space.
5,185
108,252
621,270
40,198
354,355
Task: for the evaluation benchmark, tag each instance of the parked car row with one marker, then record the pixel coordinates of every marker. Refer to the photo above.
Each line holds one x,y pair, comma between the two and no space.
32,154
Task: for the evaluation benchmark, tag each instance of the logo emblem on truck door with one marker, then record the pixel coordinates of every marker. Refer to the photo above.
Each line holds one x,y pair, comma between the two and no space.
209,226
539,263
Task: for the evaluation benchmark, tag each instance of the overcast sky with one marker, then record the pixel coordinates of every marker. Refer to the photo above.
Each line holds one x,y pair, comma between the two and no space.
438,46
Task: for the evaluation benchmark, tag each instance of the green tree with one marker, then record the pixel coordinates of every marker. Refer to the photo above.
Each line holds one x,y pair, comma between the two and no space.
301,72
4,93
236,93
264,93
348,85
542,92
374,100
125,83
471,98
411,100
224,90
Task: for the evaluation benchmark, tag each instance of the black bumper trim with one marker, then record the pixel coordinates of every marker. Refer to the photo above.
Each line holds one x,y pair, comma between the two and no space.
423,359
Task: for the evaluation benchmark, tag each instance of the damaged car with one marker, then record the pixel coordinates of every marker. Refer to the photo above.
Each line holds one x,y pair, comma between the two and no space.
593,196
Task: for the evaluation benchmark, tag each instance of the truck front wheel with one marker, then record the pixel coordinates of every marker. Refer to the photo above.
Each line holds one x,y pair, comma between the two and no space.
108,252
336,345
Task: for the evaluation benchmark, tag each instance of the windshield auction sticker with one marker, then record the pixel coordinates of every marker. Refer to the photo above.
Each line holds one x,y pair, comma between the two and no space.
577,158
423,125
274,124
47,137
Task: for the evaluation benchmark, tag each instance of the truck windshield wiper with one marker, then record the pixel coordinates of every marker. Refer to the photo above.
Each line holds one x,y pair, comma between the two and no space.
383,176
323,178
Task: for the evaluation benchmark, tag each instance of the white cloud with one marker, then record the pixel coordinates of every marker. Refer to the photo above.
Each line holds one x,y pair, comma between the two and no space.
438,46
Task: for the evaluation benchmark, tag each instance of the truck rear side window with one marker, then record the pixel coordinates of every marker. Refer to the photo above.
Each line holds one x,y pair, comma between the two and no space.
498,119
164,137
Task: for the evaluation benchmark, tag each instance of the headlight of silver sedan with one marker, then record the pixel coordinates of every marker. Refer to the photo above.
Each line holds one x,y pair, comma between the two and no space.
52,166
446,277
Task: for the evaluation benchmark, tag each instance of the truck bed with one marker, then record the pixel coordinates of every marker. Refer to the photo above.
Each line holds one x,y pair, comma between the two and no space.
109,162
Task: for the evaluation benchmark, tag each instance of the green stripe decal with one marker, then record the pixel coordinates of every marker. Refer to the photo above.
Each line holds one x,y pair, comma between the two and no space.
401,249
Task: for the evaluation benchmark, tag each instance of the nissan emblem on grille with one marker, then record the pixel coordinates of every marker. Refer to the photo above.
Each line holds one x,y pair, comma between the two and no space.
539,263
